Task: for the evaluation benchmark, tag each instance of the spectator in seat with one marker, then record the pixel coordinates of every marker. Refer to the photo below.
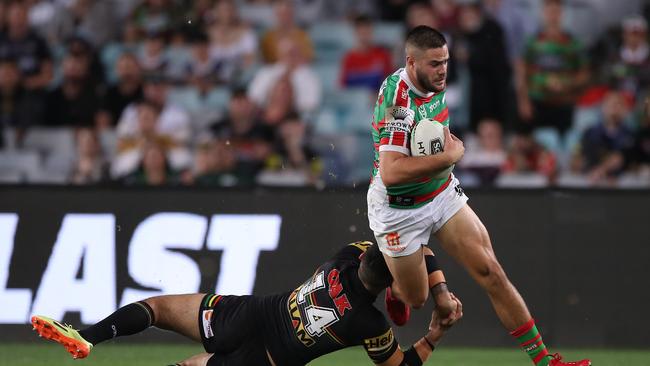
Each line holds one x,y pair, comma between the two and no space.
288,85
393,10
91,165
517,25
233,43
552,74
248,137
527,156
606,145
447,14
32,55
202,70
199,13
80,47
94,20
155,16
285,27
485,154
629,67
216,165
14,103
152,56
366,65
154,169
484,52
127,90
165,119
172,121
75,102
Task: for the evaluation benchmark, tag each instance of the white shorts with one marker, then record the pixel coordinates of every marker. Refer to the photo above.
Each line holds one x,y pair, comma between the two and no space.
402,231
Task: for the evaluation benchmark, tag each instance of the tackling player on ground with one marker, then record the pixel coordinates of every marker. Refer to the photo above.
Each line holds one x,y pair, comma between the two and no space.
405,204
330,311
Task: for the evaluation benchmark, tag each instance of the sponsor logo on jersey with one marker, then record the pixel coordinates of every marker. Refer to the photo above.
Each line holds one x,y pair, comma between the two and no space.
206,320
434,105
459,190
397,125
315,283
335,291
379,344
394,245
296,321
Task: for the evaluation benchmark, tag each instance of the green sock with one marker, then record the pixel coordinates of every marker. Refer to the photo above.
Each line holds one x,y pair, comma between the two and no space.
530,340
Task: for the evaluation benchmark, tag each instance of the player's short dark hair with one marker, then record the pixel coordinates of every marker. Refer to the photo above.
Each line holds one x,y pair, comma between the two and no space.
423,37
376,270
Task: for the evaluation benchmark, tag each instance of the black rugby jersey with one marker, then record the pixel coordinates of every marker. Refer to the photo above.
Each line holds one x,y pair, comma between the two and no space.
330,311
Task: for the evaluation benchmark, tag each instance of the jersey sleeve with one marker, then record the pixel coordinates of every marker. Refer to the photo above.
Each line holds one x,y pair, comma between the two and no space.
393,117
379,341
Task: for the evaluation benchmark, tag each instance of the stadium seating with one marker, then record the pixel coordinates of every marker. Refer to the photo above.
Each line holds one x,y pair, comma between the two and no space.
58,141
522,180
329,75
56,147
204,109
571,180
19,166
108,56
331,40
548,137
389,34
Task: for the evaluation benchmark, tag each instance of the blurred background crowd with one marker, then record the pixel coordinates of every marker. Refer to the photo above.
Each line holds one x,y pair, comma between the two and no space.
248,93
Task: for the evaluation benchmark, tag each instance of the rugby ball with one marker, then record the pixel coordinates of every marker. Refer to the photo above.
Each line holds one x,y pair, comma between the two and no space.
428,138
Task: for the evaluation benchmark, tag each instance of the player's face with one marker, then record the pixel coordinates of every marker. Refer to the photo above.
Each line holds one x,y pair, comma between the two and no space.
431,69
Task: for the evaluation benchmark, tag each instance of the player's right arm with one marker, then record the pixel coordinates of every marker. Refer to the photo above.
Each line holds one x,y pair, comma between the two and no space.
397,168
420,351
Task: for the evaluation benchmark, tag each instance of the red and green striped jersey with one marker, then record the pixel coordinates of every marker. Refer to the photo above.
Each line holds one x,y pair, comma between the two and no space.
398,95
546,57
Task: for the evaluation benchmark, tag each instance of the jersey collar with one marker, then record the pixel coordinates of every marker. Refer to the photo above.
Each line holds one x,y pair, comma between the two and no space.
404,75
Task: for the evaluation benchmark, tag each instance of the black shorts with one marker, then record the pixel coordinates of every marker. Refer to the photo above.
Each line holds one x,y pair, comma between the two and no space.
229,329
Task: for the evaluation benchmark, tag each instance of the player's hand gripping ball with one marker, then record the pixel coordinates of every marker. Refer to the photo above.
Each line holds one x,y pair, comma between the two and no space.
428,138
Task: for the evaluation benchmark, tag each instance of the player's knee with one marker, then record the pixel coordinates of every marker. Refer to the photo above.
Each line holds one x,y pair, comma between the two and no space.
418,304
491,275
417,300
155,306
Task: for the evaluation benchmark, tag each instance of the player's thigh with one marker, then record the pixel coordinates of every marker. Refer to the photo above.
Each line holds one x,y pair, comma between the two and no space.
410,275
465,238
178,313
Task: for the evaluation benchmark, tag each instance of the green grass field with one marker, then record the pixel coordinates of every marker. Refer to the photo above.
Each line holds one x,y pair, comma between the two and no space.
157,355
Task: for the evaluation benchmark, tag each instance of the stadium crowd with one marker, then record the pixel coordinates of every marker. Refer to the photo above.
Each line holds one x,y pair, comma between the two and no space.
243,93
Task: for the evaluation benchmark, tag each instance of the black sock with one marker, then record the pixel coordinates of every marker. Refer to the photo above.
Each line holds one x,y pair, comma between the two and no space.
128,320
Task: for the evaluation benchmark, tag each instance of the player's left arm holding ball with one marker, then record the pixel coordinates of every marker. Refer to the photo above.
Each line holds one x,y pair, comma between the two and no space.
397,168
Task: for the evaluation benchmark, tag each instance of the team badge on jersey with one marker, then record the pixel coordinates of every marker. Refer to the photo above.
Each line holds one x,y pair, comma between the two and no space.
423,111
